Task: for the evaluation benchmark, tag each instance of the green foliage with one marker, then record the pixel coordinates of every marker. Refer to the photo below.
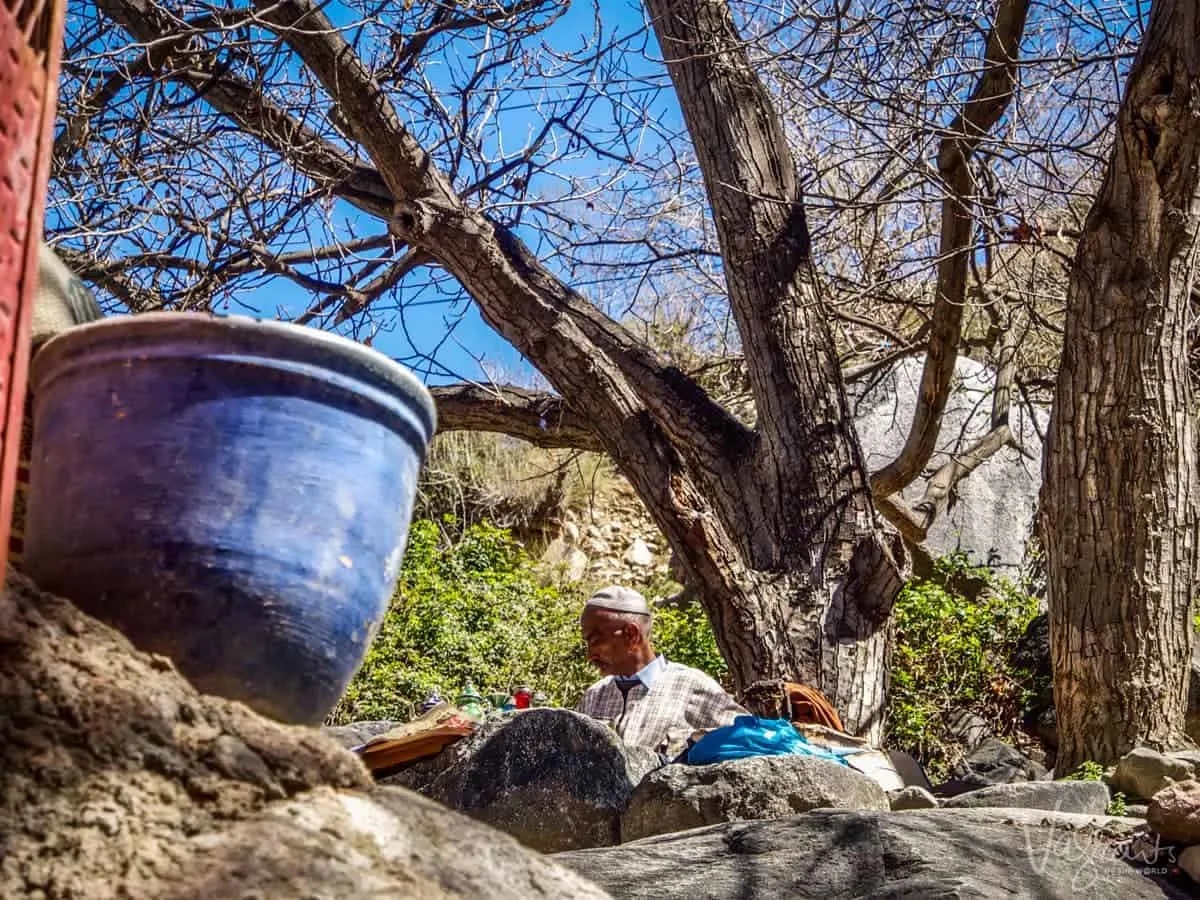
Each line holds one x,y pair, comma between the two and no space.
476,609
471,611
683,635
1117,805
955,633
1089,770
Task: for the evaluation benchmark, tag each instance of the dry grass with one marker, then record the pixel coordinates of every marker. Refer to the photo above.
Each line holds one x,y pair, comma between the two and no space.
478,476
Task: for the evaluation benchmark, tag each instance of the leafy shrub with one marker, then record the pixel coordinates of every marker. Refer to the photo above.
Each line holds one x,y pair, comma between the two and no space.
1118,805
683,635
471,611
477,610
1089,770
952,652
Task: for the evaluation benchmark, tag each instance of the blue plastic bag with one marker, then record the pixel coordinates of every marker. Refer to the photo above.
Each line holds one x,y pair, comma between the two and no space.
753,736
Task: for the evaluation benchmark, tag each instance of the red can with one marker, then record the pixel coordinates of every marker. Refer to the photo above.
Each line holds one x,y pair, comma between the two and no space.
523,697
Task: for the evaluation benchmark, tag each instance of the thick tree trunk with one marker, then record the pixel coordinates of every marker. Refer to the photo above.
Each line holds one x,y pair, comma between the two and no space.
820,576
1119,498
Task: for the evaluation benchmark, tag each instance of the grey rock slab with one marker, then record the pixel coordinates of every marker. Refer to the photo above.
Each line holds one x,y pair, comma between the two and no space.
679,797
388,842
1089,797
1143,772
992,762
552,778
992,517
836,854
912,797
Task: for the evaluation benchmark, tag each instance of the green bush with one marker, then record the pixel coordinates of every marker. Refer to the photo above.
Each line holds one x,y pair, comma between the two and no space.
952,652
1088,770
471,611
683,635
478,610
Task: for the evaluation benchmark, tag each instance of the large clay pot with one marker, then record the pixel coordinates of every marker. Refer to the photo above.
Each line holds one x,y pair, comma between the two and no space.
230,493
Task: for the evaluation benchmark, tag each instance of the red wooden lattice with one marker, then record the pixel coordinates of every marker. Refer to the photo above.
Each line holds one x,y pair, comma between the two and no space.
30,44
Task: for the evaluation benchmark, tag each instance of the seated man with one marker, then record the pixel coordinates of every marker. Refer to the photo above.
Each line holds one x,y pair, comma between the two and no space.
649,702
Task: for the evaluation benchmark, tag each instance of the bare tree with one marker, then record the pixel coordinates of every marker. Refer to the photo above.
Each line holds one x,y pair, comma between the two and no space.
1119,499
206,152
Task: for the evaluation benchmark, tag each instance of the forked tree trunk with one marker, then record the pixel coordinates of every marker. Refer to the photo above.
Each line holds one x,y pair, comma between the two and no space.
1119,496
805,587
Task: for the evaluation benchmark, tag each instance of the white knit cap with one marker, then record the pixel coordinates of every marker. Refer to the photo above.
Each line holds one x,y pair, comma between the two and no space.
619,599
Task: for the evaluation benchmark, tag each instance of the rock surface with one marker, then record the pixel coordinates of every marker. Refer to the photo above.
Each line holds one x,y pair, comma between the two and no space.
992,517
552,778
356,733
386,843
992,762
912,797
679,797
117,779
639,554
831,855
1089,797
1174,812
1143,772
1189,861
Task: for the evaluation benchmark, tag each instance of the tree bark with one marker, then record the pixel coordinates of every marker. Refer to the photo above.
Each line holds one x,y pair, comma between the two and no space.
1119,497
824,572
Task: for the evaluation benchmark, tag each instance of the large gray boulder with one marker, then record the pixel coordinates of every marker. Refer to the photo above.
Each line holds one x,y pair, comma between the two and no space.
330,845
552,778
1090,797
678,797
992,516
912,797
1143,772
831,855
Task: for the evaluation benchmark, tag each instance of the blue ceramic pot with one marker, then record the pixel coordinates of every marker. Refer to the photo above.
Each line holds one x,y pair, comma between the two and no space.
231,493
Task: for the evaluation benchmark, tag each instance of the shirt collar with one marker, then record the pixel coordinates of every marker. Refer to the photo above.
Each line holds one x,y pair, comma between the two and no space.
647,673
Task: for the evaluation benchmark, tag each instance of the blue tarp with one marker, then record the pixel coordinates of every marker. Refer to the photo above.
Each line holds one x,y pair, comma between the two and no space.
754,736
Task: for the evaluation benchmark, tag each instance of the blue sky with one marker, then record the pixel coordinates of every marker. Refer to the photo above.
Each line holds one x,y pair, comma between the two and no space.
472,350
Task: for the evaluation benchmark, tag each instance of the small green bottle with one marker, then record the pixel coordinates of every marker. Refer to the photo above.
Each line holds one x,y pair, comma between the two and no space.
471,702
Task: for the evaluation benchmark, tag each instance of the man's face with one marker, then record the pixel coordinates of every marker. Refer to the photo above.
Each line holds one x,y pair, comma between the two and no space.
612,644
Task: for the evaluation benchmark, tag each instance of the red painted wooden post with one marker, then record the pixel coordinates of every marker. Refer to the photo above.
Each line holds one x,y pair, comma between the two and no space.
31,37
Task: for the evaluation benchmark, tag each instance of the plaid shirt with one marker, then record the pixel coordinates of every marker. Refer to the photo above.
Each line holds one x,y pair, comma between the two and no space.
680,701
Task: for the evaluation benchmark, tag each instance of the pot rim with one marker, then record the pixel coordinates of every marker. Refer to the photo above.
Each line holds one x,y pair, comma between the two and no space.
271,338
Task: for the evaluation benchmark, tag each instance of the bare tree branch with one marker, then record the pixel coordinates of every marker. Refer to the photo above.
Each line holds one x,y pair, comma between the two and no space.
980,113
540,418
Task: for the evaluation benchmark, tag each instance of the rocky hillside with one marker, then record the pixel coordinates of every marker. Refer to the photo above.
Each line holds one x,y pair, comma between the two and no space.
584,519
610,539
